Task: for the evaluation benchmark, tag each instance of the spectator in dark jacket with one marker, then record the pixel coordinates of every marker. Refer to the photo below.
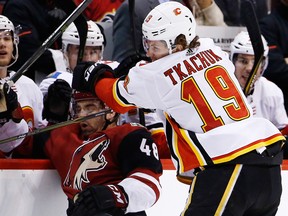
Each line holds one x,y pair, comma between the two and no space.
231,10
37,20
274,27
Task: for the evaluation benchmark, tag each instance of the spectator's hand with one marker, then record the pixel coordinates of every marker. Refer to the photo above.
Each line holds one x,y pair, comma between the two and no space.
100,200
204,3
86,74
10,108
57,102
129,62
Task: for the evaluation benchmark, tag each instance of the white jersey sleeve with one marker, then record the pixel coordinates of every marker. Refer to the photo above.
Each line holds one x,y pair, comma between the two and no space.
267,101
31,100
11,129
60,62
44,85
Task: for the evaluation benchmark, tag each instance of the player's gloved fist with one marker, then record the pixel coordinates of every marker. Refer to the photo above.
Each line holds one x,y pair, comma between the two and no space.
57,102
129,62
13,109
86,74
100,200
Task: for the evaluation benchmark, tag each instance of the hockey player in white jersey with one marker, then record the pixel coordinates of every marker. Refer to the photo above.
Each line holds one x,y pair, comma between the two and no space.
94,48
28,94
210,125
57,102
265,98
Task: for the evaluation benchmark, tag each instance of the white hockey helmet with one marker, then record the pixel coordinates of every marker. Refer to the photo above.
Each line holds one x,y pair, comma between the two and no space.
94,36
242,45
166,21
7,25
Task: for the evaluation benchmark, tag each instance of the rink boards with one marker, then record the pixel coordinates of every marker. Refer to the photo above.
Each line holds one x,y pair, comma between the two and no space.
32,188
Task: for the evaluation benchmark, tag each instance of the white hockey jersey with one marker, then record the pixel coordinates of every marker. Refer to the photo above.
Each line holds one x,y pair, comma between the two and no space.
31,100
267,101
11,129
67,76
210,120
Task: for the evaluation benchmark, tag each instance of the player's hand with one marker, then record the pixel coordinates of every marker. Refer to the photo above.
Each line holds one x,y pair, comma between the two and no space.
86,74
10,105
100,200
129,62
57,102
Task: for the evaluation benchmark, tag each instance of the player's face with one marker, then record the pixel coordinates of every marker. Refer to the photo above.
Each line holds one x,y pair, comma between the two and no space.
6,48
88,107
156,49
243,67
91,53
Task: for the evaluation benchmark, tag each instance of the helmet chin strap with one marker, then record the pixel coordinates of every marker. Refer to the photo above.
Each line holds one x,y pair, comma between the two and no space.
13,57
108,122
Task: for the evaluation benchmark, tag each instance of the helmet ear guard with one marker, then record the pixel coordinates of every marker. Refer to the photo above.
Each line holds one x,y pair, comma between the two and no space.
166,21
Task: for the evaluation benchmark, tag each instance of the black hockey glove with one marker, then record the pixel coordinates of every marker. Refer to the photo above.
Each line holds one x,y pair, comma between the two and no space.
100,200
57,102
10,106
129,62
86,74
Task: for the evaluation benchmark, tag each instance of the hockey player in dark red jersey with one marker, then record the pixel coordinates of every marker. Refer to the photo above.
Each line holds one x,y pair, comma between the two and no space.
105,169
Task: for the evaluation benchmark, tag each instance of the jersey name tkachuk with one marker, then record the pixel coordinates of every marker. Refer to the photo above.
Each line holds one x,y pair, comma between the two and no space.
197,63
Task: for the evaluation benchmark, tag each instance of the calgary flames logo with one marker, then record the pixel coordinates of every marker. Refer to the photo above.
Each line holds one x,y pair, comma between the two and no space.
177,11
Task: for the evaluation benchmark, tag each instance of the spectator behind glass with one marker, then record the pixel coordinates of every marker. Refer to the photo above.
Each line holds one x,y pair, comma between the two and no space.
37,19
274,28
105,169
265,98
231,10
101,11
207,13
24,90
210,125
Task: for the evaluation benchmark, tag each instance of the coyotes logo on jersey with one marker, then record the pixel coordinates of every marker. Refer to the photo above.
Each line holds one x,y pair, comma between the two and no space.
91,161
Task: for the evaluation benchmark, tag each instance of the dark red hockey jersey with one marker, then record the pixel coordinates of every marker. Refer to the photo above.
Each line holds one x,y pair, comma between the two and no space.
124,155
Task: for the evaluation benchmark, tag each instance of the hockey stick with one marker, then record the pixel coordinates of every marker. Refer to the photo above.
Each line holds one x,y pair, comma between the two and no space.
251,22
132,27
81,24
52,127
50,40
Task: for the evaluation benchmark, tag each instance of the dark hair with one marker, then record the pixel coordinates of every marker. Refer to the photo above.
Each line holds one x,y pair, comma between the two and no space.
181,40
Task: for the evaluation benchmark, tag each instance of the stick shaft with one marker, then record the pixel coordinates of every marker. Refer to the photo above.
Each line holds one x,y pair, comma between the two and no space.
51,39
251,22
52,127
